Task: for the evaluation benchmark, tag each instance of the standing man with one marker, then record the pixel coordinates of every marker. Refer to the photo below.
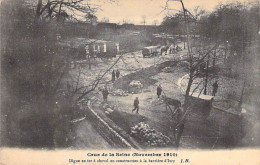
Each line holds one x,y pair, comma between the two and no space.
159,91
105,94
117,74
215,88
179,114
178,133
136,105
113,76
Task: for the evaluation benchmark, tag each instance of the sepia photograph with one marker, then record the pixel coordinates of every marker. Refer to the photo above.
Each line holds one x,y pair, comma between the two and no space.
130,74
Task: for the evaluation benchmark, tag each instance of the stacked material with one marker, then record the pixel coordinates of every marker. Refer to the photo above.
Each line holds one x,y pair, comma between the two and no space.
135,87
136,84
149,137
118,92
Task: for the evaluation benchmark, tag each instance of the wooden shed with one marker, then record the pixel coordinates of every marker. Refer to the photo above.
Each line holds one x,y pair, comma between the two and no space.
201,104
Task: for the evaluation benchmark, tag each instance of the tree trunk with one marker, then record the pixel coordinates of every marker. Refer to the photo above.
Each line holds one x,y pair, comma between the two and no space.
187,93
214,60
207,75
89,62
38,9
189,56
59,16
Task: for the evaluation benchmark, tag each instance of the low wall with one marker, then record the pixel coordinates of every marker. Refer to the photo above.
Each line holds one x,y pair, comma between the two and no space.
107,132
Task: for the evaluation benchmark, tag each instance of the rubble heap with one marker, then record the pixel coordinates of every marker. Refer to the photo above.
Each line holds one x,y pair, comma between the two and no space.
135,86
149,137
118,92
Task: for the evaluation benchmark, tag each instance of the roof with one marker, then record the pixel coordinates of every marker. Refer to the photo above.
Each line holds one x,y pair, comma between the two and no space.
77,42
150,47
201,96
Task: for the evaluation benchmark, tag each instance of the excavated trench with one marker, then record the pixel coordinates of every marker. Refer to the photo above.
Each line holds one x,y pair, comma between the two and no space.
143,75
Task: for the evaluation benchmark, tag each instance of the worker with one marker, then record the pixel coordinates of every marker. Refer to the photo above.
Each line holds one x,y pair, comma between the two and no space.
159,91
113,76
215,88
117,74
105,94
136,105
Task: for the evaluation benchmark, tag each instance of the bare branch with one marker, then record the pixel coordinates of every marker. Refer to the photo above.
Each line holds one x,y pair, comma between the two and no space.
196,87
96,82
201,60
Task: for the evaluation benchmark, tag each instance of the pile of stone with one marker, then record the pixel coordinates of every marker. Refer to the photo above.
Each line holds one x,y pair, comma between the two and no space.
118,92
108,109
135,86
149,137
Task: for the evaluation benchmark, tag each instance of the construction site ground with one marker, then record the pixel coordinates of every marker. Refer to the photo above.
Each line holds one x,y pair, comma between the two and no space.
219,130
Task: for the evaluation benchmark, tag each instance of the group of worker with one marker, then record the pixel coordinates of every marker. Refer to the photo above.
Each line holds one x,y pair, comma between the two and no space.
179,127
136,101
174,49
115,75
159,92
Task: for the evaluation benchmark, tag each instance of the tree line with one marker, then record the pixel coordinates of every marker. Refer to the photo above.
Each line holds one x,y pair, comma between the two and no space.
236,25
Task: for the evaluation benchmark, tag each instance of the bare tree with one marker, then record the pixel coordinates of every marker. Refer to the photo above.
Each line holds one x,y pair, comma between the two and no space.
59,8
144,20
194,61
155,22
77,91
91,18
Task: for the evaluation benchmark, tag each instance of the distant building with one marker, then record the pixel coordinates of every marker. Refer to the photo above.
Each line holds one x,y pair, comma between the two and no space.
80,47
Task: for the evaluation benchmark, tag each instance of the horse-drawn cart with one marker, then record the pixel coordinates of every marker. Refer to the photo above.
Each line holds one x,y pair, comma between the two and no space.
151,51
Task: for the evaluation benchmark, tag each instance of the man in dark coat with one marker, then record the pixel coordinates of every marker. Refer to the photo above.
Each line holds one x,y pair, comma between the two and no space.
159,91
179,114
105,94
179,127
113,76
136,105
178,133
117,74
215,88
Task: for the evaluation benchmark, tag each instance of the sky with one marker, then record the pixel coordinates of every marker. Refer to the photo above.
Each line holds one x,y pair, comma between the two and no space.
133,11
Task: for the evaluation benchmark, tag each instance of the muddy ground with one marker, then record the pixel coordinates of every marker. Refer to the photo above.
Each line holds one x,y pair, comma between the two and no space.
219,130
